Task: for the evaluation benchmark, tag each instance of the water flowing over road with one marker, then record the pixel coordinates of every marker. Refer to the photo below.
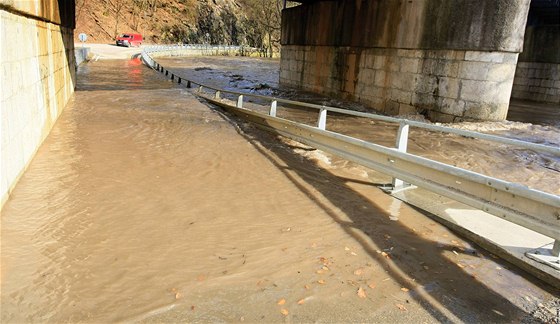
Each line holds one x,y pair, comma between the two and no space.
144,204
538,171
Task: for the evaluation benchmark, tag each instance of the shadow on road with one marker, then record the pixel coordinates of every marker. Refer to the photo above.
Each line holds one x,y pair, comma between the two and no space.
447,292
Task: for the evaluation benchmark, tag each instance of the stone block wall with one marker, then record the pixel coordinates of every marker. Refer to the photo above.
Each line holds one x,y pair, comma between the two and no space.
538,72
537,82
444,85
37,67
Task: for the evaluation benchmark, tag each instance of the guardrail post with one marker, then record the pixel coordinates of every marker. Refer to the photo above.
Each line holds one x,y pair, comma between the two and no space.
188,83
179,80
272,111
172,76
401,145
200,89
240,101
217,95
166,73
322,122
547,255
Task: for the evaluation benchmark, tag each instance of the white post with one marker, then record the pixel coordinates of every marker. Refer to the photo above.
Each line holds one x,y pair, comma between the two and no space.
322,122
273,108
401,145
240,101
556,248
217,95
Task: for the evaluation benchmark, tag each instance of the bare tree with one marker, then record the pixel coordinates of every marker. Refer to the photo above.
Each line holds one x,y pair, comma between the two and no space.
138,7
117,6
153,7
267,15
270,20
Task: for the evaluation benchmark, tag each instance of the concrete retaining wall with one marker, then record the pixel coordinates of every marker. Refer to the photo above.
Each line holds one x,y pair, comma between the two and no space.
450,60
38,77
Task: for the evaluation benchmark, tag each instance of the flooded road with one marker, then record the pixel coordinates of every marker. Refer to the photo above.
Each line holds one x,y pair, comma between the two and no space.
537,171
144,205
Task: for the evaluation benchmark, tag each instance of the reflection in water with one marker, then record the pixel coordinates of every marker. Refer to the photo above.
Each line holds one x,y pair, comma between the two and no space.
144,205
135,70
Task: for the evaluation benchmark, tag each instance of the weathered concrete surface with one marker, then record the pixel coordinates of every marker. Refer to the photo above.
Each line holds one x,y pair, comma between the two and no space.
38,77
448,60
60,12
537,77
489,25
542,44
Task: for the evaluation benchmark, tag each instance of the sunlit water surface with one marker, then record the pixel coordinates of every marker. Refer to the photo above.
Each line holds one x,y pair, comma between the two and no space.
538,171
145,205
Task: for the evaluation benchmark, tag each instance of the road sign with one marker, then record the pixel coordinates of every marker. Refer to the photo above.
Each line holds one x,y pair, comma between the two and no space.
82,37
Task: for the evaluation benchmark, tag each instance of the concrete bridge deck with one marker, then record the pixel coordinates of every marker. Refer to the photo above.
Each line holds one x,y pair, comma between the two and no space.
143,204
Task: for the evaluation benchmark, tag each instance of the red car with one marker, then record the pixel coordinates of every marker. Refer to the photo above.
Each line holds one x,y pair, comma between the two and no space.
129,40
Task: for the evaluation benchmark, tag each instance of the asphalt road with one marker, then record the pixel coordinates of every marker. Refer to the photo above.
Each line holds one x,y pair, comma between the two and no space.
110,51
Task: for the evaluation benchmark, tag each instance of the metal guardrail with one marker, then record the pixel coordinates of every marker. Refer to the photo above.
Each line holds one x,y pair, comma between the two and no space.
202,48
160,48
498,139
533,209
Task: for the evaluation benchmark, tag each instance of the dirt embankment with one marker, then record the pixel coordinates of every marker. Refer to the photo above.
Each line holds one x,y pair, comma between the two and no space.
187,21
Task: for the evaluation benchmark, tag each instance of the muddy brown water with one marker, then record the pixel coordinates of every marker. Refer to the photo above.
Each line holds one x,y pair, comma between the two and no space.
537,171
144,204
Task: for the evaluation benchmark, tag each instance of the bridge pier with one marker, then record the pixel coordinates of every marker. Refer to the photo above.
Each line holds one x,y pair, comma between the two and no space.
449,60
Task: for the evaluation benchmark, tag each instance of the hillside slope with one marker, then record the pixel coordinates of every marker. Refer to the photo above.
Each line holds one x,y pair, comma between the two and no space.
253,23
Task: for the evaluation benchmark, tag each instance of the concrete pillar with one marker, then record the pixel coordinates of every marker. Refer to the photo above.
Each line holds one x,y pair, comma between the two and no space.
450,60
